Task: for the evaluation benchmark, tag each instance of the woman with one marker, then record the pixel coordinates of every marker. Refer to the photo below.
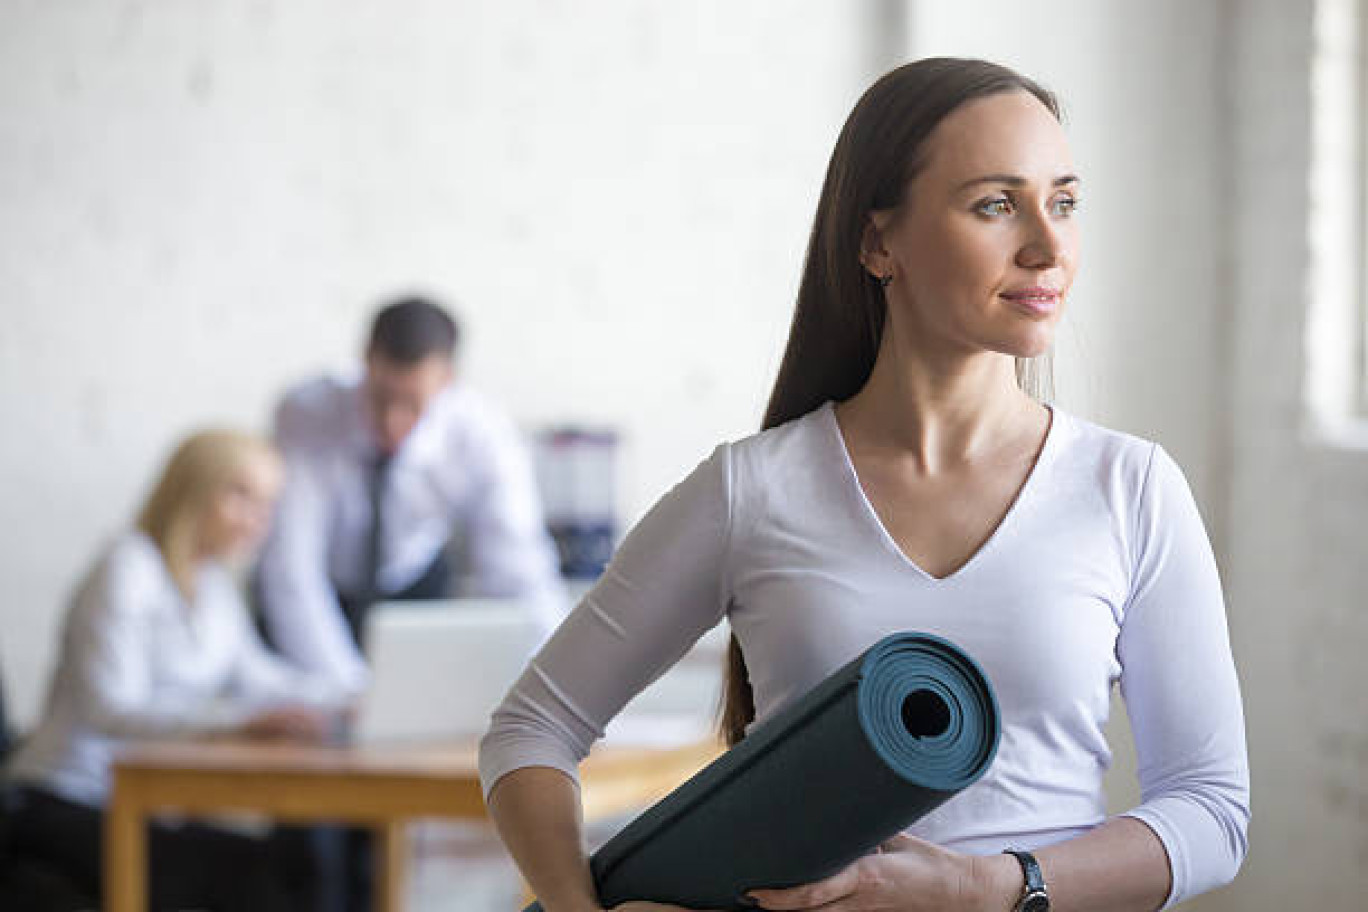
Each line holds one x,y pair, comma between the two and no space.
158,643
907,480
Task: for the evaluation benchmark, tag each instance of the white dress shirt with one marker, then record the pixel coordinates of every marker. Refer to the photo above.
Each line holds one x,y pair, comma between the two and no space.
1099,575
463,469
138,661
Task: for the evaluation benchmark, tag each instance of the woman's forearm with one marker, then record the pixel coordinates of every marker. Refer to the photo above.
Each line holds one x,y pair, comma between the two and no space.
537,812
1121,866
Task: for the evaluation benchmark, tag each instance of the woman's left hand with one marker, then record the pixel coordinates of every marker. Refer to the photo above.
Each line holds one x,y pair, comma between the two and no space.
907,875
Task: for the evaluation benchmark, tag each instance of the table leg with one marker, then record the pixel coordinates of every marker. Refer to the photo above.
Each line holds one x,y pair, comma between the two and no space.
391,865
125,853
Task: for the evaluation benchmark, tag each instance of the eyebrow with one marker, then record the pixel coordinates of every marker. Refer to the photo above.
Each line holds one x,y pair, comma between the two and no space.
1013,180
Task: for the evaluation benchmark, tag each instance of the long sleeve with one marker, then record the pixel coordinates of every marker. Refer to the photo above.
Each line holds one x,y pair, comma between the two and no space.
510,551
1179,682
297,596
261,678
666,586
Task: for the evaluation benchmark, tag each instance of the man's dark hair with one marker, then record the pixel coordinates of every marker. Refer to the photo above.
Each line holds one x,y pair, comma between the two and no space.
410,329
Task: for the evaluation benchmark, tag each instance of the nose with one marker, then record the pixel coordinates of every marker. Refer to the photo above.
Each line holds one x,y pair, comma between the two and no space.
1043,246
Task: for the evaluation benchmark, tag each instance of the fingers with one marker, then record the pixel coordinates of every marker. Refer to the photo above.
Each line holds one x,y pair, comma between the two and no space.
307,725
287,723
815,895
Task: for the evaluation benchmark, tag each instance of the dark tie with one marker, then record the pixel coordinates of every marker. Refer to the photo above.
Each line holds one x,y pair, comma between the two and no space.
379,473
355,608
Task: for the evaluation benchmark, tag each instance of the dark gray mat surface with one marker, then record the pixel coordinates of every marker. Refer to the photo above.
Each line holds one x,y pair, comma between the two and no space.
870,750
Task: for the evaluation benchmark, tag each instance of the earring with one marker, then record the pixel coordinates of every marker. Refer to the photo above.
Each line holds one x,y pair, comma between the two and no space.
885,281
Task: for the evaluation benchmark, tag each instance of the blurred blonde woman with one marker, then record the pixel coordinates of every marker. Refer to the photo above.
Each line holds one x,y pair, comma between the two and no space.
158,643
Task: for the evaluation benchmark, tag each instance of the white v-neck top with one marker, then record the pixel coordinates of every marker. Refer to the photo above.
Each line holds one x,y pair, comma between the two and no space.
1100,573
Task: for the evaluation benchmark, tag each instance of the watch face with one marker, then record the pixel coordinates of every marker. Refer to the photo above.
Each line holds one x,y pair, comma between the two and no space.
1035,902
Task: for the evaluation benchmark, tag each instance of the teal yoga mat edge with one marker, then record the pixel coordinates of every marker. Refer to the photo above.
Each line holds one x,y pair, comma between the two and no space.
957,655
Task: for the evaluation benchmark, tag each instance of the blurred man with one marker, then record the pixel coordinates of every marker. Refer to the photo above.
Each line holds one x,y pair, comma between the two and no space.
383,469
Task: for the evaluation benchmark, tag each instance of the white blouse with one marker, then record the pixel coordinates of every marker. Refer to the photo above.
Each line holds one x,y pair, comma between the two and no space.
138,661
1100,575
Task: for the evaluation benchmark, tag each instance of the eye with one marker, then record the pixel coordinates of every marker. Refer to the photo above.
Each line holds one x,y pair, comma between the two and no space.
997,205
1065,205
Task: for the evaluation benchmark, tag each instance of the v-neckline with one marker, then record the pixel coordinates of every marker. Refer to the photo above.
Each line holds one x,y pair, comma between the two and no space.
1043,456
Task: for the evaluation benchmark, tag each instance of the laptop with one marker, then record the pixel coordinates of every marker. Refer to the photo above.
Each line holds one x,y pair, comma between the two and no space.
439,668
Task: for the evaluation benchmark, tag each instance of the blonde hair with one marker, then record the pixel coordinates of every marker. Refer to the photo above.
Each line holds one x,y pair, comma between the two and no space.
200,469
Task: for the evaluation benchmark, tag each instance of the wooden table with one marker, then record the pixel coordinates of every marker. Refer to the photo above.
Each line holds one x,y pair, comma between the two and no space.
375,786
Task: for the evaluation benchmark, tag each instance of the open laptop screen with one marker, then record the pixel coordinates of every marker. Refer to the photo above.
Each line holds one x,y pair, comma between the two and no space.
439,668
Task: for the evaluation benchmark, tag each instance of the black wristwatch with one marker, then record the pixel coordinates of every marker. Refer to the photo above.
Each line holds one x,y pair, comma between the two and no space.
1034,896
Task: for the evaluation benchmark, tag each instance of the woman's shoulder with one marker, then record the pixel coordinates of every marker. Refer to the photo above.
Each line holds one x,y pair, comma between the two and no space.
132,553
127,575
1114,456
1103,443
782,464
798,439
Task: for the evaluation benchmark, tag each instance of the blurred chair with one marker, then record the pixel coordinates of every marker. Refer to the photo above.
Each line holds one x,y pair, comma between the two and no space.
28,883
6,733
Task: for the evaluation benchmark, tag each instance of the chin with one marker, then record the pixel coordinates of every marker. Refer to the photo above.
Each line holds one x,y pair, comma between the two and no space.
237,552
1033,351
1021,351
1032,346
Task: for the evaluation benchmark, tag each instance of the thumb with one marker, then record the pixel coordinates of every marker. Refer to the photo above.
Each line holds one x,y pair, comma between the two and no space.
898,842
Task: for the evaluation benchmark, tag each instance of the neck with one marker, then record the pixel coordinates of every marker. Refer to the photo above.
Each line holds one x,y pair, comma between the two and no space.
939,410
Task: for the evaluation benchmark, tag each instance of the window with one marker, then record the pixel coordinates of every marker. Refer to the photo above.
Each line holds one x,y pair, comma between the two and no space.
1337,318
1357,70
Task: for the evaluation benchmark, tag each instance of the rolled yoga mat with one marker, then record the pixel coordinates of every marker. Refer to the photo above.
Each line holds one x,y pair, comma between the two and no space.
874,747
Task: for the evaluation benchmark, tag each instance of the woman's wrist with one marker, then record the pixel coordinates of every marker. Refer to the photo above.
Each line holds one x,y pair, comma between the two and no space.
995,883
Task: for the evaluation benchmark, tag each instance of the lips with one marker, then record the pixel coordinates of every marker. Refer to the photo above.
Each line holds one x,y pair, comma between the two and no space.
1036,299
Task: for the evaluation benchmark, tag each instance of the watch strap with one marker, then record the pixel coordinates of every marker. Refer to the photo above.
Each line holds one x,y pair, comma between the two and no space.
1035,880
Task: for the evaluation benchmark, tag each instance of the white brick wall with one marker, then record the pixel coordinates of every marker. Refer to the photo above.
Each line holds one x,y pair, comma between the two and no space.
201,202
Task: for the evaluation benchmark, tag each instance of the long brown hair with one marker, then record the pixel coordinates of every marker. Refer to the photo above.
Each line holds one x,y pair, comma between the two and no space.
839,317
